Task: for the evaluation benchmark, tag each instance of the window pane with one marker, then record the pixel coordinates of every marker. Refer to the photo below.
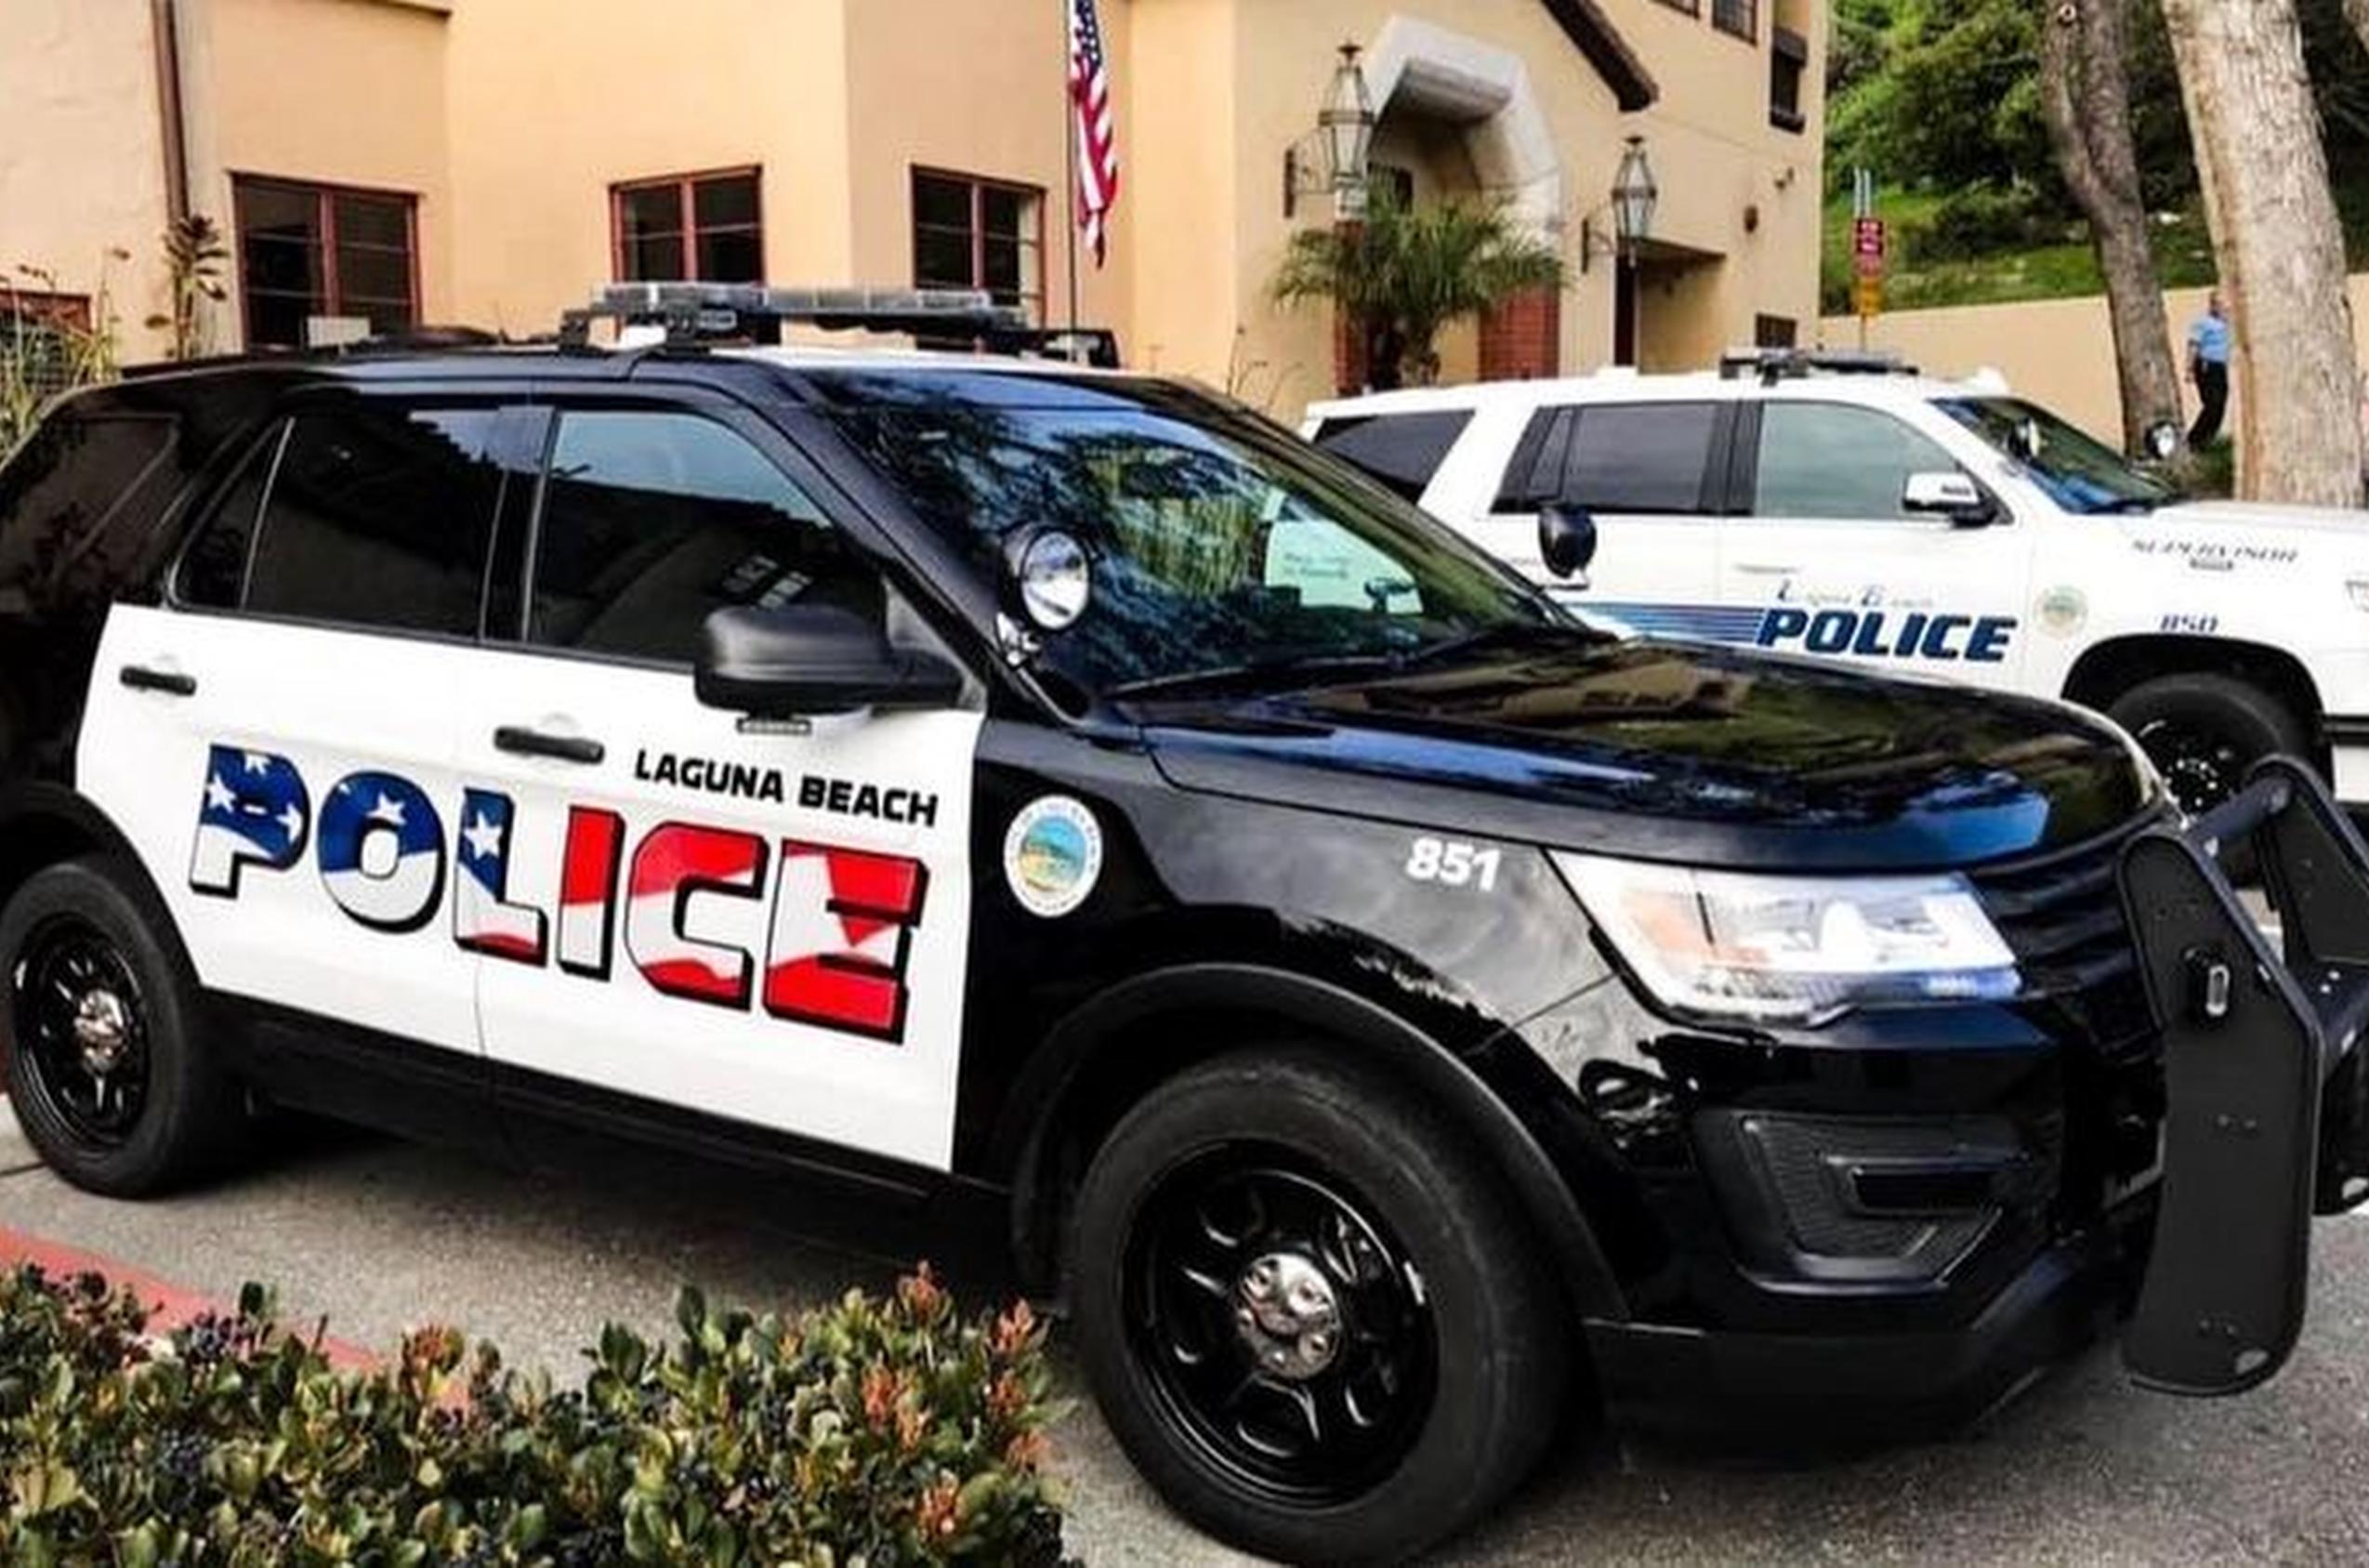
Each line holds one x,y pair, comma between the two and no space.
725,202
373,221
367,274
1639,457
279,212
214,571
945,203
651,522
735,257
941,260
1827,460
650,209
654,258
380,517
1401,450
1009,213
387,319
1001,269
276,321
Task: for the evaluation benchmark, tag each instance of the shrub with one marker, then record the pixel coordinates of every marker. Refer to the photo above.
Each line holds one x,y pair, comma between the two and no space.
878,1431
1986,220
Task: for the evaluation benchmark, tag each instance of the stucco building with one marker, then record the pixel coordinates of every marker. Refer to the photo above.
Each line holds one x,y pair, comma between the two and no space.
486,162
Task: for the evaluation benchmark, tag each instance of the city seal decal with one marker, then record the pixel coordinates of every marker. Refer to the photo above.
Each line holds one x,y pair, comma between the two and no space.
1053,855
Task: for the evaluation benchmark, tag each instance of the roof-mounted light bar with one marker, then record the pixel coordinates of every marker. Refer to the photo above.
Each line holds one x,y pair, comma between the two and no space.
1774,364
695,313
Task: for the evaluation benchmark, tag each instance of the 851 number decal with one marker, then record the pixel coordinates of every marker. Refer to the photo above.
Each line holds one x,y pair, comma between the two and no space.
1453,862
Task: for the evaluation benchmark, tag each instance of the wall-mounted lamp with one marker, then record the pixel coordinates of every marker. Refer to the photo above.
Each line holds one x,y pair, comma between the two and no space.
1332,157
1634,196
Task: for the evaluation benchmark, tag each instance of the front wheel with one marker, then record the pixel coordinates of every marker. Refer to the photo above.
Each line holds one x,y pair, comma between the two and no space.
2203,732
111,1083
1310,1314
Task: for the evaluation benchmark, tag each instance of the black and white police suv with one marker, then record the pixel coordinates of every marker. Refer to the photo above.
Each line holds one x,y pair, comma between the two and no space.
1386,1011
1841,505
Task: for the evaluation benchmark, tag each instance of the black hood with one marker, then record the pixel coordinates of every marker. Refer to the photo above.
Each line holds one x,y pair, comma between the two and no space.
1671,751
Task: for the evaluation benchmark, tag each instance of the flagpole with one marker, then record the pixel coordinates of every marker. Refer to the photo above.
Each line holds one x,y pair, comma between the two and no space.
1069,149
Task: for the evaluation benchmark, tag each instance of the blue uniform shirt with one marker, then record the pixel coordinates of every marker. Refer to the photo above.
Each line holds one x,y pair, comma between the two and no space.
2209,339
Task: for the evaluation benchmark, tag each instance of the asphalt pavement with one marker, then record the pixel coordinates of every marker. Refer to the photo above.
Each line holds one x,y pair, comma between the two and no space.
378,1235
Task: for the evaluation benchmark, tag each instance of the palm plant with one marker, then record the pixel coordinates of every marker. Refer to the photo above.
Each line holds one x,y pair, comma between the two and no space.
1405,274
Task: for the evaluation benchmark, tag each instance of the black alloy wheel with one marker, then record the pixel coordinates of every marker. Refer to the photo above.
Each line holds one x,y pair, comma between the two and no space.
78,1015
113,1085
2205,731
1284,1328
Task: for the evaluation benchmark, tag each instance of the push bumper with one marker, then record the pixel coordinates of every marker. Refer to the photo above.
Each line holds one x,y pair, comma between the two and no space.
2266,1123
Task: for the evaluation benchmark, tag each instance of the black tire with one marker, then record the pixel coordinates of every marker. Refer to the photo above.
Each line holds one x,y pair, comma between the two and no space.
81,943
2205,731
1458,1370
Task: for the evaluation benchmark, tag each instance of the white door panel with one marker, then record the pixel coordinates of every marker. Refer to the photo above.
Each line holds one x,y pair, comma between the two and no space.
767,927
292,809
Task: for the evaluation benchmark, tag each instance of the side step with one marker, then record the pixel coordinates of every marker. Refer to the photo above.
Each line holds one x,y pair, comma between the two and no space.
2265,1122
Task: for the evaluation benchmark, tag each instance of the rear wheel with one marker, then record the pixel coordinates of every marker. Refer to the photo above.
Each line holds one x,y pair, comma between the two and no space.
1310,1314
2203,732
108,1080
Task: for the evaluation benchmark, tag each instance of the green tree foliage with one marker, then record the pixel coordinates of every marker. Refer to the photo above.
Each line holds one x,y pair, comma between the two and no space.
1409,273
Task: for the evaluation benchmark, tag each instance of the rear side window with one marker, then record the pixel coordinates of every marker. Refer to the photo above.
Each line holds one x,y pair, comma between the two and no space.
651,520
376,517
1616,458
77,480
1401,450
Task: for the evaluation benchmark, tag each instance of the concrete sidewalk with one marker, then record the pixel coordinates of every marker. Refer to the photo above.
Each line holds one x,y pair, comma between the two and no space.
379,1236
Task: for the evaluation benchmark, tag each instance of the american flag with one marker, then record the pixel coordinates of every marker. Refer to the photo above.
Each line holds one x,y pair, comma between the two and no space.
1097,136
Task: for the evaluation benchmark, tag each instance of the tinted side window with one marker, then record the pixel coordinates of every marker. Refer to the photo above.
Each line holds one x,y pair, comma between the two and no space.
651,520
379,517
1831,460
1640,457
76,476
214,571
1613,457
1401,450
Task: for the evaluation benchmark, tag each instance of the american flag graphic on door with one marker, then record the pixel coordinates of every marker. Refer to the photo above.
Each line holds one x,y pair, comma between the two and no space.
1096,130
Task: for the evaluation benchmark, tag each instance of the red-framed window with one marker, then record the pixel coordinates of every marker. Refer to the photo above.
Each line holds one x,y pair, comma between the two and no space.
37,337
708,227
307,249
969,231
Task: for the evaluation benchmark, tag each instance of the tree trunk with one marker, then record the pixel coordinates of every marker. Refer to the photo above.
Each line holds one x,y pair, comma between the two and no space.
2084,94
2278,247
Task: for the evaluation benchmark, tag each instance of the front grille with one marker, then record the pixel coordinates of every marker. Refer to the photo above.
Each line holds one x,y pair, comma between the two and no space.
2061,915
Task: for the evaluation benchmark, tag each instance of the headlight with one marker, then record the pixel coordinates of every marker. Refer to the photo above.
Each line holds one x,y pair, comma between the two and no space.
1793,949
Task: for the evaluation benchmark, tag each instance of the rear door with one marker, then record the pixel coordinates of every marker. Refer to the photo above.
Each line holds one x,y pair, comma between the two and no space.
1829,561
277,739
764,922
1654,474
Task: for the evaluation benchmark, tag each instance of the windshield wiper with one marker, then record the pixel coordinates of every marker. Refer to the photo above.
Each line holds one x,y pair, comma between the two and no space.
1503,631
1255,672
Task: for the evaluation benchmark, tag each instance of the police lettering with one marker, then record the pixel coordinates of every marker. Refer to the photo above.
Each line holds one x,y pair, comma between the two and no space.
835,925
1873,634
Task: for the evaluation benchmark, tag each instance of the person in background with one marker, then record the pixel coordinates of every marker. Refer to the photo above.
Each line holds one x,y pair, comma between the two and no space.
2209,368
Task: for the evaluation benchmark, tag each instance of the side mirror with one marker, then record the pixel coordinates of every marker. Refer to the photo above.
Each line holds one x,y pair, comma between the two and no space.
807,659
1566,540
1950,495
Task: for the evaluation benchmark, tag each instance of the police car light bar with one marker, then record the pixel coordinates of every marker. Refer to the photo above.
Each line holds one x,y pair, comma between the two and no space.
1775,364
694,313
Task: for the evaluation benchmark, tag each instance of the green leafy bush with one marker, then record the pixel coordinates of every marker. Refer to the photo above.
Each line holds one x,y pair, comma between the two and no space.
1984,220
874,1432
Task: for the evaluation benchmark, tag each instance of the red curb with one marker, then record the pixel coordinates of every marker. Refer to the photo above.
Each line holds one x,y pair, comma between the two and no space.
170,1306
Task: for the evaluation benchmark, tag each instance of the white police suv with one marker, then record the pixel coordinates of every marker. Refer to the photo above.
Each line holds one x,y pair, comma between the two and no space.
1386,1011
1841,505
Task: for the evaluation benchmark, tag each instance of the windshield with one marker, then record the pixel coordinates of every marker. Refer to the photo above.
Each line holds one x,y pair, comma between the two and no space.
1223,548
2080,474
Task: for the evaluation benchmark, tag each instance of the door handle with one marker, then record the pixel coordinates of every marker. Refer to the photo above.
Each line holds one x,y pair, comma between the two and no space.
523,742
1765,568
171,682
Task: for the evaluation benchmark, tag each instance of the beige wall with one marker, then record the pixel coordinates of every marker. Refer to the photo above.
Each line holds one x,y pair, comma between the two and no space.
2058,352
92,179
510,120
